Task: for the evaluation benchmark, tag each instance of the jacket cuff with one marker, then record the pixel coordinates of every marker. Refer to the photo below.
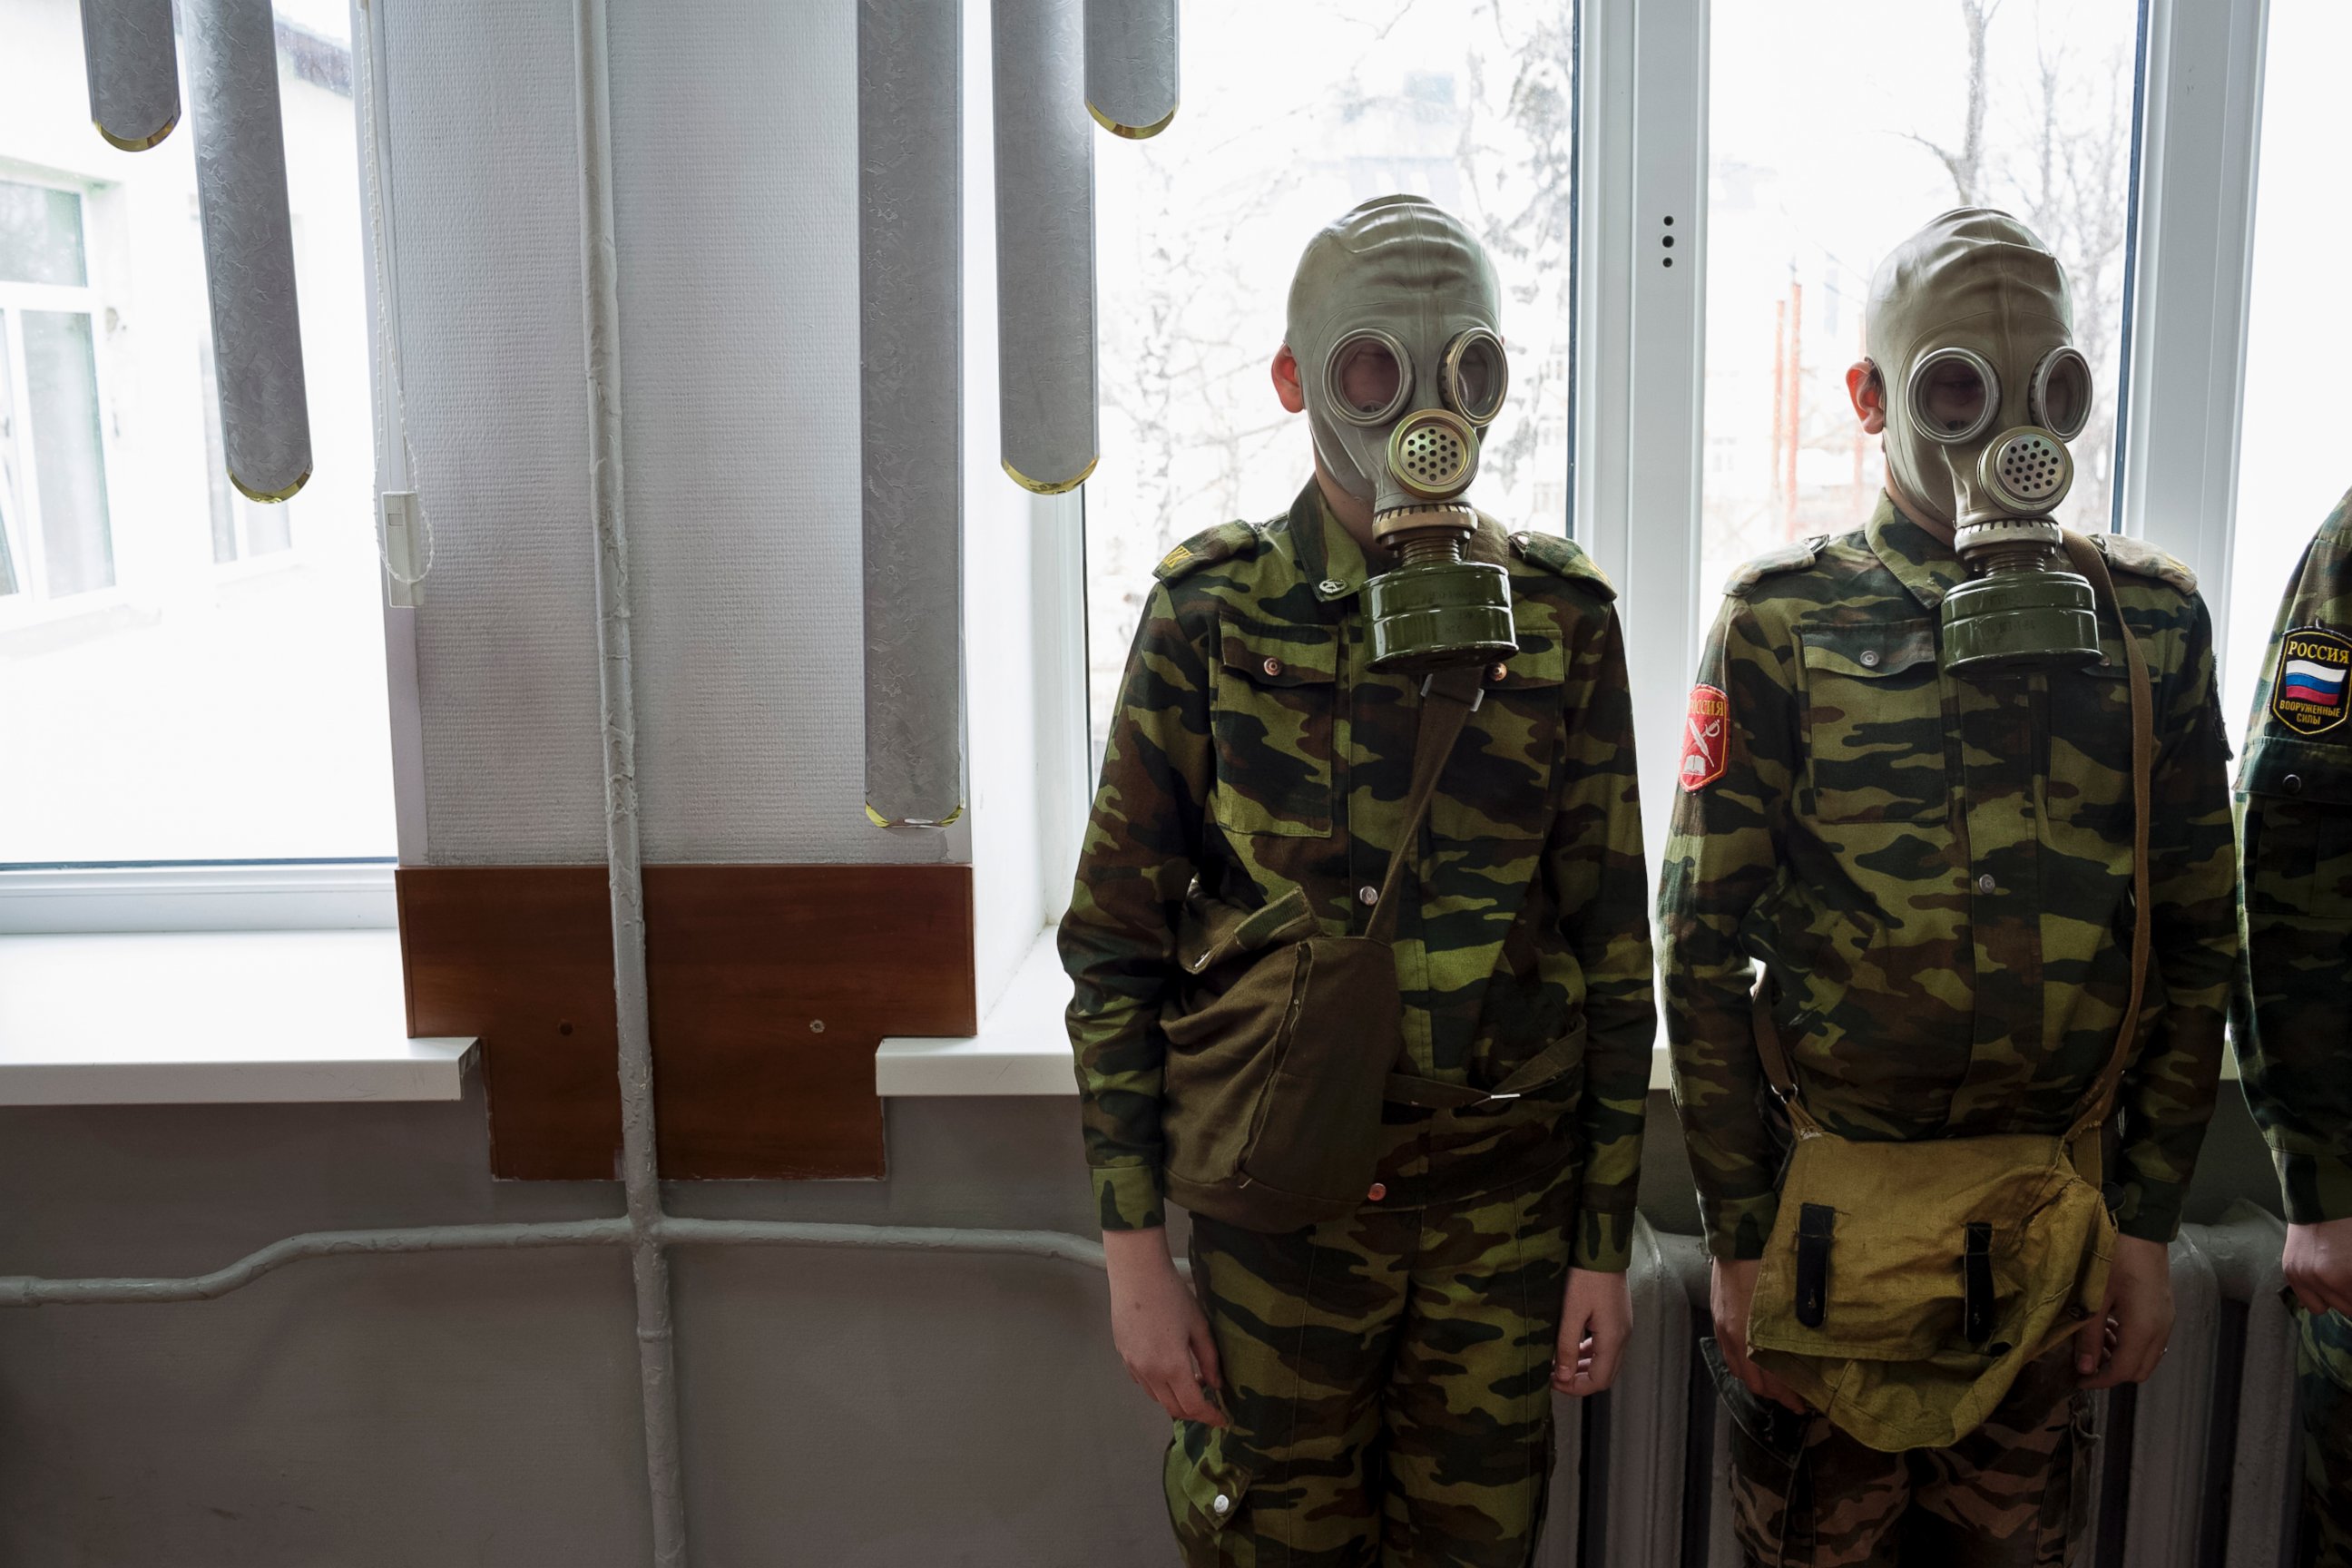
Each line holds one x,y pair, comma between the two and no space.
2150,1211
1126,1197
1737,1230
2317,1187
1604,1240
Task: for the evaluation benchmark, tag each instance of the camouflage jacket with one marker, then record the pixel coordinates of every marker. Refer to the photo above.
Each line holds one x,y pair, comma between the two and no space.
1254,750
2294,1005
1935,872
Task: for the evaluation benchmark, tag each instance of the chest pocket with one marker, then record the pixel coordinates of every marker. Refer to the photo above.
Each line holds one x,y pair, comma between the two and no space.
1874,721
1498,782
2088,780
1271,713
2298,829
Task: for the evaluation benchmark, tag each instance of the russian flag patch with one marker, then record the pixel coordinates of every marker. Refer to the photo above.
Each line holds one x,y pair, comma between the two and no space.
2308,683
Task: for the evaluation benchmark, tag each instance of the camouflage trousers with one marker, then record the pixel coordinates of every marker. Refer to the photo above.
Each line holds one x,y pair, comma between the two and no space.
2324,1371
1388,1380
2014,1493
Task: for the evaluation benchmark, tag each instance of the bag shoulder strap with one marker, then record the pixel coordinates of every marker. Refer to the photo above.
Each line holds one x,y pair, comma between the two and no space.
1448,697
2091,563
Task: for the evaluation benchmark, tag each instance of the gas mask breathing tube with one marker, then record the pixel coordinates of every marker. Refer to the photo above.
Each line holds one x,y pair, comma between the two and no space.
1392,320
1969,329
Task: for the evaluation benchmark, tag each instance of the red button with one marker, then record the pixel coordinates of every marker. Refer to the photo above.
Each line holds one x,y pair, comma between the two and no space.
1379,1191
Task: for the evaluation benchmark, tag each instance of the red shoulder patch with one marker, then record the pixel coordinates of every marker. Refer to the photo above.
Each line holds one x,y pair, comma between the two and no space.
1705,748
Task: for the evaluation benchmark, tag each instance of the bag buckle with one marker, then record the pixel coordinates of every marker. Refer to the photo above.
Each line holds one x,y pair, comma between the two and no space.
1478,695
1492,1098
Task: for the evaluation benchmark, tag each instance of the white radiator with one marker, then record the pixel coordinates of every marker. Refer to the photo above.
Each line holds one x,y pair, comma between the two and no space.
2197,1468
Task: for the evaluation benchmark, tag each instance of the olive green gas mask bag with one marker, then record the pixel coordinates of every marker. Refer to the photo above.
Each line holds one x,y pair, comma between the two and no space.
1272,1093
1906,1285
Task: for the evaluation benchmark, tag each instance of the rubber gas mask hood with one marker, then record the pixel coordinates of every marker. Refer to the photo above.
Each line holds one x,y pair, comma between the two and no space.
1394,322
1971,332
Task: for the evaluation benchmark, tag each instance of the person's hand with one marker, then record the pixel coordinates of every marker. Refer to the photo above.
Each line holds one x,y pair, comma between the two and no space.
1596,1316
2317,1263
2131,1333
1730,1288
1159,1328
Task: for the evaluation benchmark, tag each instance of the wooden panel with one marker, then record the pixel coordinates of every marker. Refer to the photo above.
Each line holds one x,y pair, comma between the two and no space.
741,961
522,955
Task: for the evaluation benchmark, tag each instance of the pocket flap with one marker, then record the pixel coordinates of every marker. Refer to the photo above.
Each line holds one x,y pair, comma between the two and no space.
2295,769
1870,651
1278,657
1214,1484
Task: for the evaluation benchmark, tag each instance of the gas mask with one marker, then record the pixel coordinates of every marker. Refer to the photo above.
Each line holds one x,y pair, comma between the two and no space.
1392,321
1971,330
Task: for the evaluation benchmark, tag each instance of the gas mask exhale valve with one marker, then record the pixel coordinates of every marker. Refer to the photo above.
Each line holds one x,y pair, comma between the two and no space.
1392,320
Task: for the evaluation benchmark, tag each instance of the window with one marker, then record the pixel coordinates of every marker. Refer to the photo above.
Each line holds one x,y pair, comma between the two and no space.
2291,468
1200,229
55,540
1837,128
185,675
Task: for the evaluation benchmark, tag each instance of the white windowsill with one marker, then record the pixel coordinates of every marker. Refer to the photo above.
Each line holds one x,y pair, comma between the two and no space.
1023,1046
214,1017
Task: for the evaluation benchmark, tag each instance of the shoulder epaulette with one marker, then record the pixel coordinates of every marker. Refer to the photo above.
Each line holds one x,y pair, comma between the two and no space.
1207,548
2142,559
1793,557
1562,558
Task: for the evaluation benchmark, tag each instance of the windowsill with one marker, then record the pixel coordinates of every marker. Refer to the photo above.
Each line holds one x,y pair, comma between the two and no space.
214,1017
1023,1046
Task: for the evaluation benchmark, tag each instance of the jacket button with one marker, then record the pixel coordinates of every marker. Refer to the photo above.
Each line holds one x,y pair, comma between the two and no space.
1376,1192
1331,585
2294,782
1274,666
1497,670
1221,1505
1367,894
1870,658
1985,884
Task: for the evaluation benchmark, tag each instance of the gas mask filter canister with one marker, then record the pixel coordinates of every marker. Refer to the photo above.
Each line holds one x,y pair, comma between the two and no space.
1977,308
1392,320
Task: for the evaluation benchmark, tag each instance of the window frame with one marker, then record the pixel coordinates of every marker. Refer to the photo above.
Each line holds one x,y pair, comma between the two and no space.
353,894
1643,327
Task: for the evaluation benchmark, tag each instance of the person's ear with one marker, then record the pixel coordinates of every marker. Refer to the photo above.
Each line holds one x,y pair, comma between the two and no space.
1285,381
1867,388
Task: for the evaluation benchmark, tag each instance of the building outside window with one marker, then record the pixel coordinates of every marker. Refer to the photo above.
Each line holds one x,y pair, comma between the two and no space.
185,675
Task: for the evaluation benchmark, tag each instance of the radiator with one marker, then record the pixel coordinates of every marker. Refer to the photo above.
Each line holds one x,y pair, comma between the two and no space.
2196,1469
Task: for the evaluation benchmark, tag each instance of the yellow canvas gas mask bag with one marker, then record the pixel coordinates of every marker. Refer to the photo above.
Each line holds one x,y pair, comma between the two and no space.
1905,1285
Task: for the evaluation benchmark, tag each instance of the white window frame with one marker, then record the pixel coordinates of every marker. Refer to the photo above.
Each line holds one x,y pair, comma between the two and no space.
1641,326
262,895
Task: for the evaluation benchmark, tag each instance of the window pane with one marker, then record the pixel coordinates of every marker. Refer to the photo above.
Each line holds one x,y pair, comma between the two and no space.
40,235
2291,463
61,393
1199,229
206,708
1837,129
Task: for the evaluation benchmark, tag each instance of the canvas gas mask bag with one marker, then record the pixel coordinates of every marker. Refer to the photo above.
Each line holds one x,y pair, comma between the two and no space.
1905,1285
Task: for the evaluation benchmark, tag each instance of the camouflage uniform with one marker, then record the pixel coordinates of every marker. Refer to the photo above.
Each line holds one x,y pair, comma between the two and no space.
1254,751
1935,872
2293,1008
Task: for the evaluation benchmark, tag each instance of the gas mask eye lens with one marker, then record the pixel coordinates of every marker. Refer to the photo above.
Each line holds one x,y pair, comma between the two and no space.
1370,378
2059,398
1474,375
1953,395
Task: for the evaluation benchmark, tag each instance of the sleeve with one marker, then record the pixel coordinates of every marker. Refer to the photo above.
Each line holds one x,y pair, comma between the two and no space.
1730,814
2168,1092
1118,940
2292,1007
1593,860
